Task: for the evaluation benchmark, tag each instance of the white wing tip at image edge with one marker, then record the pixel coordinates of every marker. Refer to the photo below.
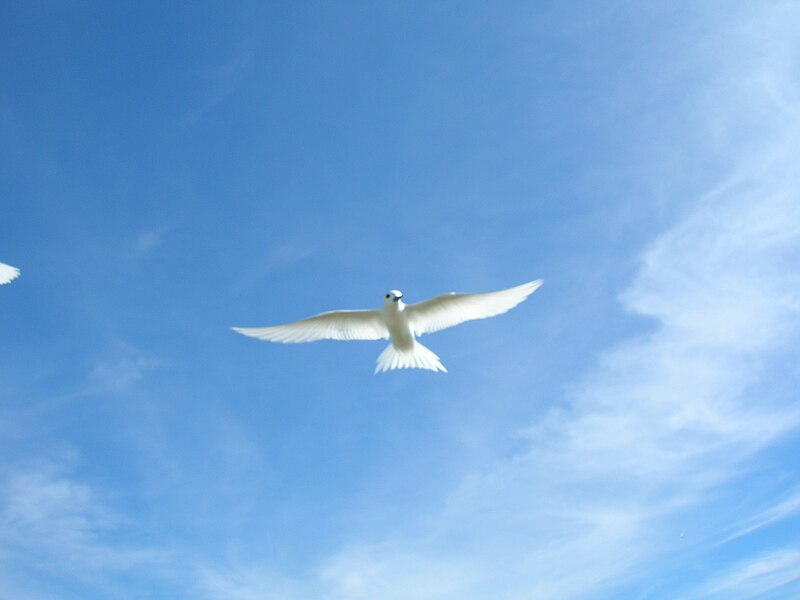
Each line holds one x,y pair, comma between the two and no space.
8,273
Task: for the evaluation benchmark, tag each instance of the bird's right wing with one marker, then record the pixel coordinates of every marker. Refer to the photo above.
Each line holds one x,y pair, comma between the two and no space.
333,325
451,309
7,273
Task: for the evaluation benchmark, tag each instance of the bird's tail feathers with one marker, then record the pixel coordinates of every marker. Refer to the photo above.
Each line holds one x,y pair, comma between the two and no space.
417,357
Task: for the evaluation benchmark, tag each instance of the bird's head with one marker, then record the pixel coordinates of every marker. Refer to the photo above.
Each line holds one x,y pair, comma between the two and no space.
392,296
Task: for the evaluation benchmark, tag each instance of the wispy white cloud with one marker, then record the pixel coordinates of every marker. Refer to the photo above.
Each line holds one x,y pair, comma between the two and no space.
222,81
764,574
285,254
119,375
52,523
148,240
786,508
219,583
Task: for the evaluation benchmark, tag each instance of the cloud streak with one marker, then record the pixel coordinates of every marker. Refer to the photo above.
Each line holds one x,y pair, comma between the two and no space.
785,509
223,81
51,523
767,573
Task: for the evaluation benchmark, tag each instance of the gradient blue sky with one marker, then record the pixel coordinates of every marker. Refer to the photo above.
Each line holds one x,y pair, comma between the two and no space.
168,170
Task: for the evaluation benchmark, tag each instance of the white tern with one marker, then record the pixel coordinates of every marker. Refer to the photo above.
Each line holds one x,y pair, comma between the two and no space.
401,323
7,273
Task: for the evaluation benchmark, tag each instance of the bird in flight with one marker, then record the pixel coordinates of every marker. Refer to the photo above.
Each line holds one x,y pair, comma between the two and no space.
398,322
7,273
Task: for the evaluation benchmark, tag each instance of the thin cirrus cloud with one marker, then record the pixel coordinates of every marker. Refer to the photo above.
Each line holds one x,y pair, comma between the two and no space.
51,522
222,81
785,509
772,573
283,255
148,240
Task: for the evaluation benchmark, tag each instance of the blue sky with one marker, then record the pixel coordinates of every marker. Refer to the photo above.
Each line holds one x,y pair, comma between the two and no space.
171,170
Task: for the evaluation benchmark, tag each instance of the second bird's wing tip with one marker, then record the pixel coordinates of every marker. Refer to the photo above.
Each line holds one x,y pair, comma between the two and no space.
8,273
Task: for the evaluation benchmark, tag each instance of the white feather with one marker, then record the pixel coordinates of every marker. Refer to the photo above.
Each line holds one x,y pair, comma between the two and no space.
418,357
8,273
333,325
451,309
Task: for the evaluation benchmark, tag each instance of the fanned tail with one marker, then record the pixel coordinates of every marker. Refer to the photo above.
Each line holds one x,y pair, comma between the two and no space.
416,357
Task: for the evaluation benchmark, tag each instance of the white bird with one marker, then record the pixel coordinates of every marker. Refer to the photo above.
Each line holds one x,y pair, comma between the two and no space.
7,273
398,322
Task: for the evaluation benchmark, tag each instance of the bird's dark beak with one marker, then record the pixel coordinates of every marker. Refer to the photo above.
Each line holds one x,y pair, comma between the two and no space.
398,298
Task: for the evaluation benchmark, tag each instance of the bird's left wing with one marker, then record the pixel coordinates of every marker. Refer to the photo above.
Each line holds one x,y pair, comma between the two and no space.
333,325
7,273
451,309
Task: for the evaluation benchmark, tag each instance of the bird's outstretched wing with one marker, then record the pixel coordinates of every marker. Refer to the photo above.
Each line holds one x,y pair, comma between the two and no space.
333,325
7,273
451,309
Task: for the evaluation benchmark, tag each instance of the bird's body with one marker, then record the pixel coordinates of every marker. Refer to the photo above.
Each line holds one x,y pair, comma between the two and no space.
403,351
398,322
396,319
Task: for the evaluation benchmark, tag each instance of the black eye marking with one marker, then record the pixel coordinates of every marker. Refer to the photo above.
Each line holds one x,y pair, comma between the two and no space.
388,295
